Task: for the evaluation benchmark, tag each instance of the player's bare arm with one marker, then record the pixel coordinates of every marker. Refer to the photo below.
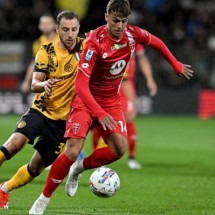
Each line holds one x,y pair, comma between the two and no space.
40,84
146,69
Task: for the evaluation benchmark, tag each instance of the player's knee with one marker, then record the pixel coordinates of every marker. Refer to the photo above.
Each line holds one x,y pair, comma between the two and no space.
120,149
72,154
72,151
34,171
73,148
5,152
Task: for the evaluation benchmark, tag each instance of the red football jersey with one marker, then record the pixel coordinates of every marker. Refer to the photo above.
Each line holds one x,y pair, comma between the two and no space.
104,59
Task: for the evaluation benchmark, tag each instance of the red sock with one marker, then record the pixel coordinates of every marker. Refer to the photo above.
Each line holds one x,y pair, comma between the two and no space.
132,139
95,137
58,172
100,157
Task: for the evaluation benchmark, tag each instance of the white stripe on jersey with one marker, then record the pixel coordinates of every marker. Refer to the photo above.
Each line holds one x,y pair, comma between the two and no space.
131,42
83,72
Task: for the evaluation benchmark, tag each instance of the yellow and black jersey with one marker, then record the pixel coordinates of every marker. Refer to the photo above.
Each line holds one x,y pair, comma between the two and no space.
40,41
57,64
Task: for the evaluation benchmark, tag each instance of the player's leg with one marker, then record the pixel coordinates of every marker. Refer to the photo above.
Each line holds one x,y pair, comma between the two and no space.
117,144
77,127
116,148
49,146
130,114
23,176
59,170
12,146
96,135
27,129
99,157
132,144
97,140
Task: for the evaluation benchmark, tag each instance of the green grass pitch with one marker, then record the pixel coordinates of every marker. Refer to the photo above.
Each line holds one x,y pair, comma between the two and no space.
177,178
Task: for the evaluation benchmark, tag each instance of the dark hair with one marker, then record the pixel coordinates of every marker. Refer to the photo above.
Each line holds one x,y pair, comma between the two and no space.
67,14
120,7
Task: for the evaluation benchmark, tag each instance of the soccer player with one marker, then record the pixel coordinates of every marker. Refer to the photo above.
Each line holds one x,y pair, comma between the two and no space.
128,94
47,28
107,51
53,82
128,97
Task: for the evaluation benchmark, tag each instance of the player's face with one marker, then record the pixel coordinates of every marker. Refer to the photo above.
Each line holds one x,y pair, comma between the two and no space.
68,30
46,25
115,25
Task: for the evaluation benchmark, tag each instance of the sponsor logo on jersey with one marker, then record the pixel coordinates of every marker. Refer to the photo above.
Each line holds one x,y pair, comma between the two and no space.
89,54
118,46
117,67
76,127
132,46
84,65
104,55
22,124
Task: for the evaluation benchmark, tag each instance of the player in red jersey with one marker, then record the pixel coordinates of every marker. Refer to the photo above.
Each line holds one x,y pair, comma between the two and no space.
128,94
103,62
128,97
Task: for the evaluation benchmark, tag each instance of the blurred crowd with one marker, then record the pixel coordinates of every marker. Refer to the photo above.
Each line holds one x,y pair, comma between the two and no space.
186,26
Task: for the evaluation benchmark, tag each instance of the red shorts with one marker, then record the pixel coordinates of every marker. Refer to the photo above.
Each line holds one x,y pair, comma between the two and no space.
81,119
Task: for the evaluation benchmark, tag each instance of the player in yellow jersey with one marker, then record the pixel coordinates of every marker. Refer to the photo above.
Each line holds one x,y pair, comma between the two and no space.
47,28
53,83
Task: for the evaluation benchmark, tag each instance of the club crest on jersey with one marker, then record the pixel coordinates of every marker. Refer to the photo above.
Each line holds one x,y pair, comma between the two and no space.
76,127
68,67
89,54
118,46
117,67
132,46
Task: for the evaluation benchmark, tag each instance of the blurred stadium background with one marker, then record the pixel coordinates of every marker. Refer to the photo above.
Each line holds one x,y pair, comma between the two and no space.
186,26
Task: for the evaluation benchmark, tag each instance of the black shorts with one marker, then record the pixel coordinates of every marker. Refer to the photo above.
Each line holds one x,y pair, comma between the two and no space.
51,139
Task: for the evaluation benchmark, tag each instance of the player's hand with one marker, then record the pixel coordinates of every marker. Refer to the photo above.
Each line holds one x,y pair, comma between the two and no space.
187,72
108,122
48,85
152,86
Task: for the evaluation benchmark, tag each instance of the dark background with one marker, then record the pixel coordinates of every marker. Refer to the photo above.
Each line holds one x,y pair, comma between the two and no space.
186,26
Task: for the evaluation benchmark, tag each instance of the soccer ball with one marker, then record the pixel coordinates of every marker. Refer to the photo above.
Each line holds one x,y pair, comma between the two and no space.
104,182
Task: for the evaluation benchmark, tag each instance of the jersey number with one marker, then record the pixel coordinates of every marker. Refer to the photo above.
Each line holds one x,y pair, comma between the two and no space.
123,127
61,148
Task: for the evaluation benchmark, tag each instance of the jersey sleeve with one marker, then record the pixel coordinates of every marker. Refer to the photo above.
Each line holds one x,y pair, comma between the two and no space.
88,57
85,69
41,61
145,38
139,49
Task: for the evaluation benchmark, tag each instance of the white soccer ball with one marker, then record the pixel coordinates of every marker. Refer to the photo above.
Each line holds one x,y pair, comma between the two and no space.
104,182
